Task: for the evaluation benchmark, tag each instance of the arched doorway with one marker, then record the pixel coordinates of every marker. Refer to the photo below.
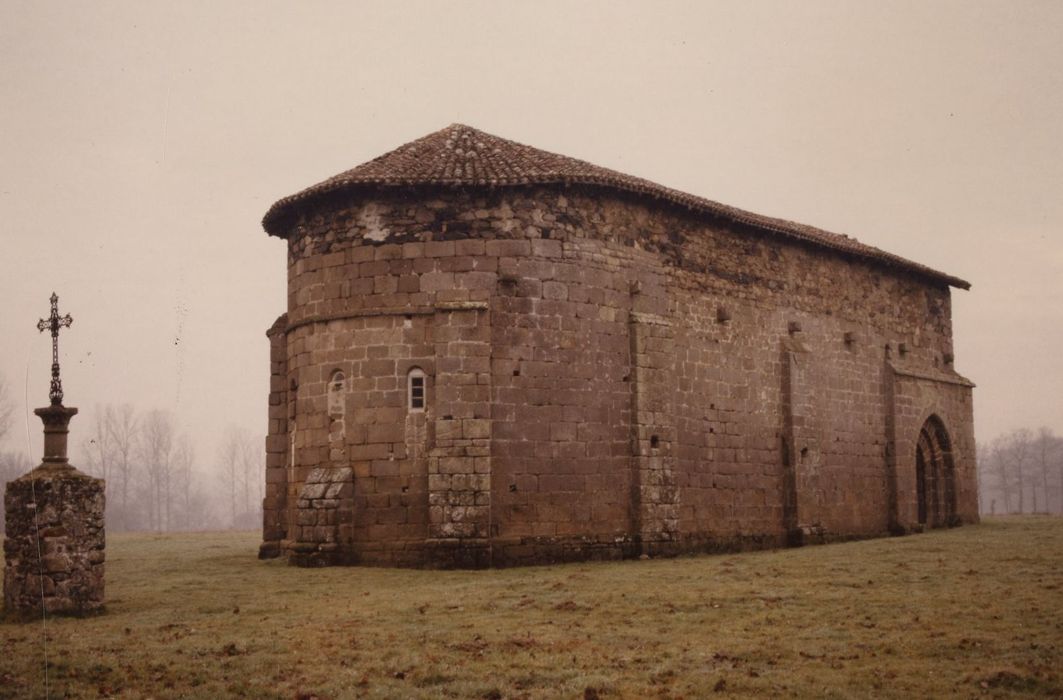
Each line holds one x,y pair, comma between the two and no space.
935,476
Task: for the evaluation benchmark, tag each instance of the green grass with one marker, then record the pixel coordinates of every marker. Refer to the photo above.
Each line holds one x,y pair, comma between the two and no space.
966,612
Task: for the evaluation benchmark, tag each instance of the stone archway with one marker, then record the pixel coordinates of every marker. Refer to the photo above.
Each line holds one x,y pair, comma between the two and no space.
935,476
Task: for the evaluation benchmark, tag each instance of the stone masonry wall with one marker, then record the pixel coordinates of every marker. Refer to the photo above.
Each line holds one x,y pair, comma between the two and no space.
324,514
62,572
605,377
275,502
364,426
459,458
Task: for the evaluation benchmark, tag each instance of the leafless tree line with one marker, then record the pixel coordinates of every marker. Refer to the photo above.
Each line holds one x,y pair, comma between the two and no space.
7,408
156,481
1021,472
12,463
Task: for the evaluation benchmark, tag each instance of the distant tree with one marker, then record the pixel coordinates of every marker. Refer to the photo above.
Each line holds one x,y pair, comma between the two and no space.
986,502
7,408
12,466
156,452
995,481
190,505
98,448
123,429
1058,454
152,480
999,465
251,455
1024,471
1018,451
1049,457
229,466
238,462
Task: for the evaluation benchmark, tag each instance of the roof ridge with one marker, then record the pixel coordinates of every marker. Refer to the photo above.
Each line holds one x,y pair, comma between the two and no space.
462,155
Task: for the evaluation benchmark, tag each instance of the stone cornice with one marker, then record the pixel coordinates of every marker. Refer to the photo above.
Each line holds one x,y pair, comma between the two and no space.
398,311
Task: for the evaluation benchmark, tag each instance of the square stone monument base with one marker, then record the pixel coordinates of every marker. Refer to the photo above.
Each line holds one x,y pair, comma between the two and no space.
54,548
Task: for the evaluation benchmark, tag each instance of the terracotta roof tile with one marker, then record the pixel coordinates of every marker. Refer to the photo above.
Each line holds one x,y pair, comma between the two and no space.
462,156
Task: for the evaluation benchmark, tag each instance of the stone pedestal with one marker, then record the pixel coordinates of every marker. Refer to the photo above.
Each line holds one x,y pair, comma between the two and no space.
54,550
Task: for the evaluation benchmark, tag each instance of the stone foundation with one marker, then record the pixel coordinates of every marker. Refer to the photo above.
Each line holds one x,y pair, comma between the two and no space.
323,519
55,543
54,549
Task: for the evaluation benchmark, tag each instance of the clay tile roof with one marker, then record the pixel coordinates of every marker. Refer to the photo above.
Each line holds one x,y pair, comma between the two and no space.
462,156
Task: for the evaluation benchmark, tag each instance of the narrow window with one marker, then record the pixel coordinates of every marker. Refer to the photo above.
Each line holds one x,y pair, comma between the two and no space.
415,384
337,387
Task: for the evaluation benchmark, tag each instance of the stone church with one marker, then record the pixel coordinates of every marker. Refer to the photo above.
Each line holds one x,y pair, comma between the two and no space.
494,355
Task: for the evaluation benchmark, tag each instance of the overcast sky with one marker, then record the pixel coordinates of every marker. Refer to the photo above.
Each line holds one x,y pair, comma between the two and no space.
141,143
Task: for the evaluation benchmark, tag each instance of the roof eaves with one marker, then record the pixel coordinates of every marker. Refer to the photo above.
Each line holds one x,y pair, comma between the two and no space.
847,245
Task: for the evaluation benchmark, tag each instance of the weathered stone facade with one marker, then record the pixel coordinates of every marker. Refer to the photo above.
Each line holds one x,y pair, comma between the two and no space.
54,545
606,373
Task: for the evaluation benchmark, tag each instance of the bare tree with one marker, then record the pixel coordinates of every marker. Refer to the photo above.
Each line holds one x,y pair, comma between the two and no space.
184,482
239,462
156,451
1059,463
1000,464
1022,464
7,408
152,481
229,463
995,478
122,428
986,502
1046,451
1012,455
251,477
98,448
12,466
192,504
1018,452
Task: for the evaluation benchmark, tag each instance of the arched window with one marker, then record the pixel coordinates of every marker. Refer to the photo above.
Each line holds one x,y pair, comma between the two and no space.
337,386
415,390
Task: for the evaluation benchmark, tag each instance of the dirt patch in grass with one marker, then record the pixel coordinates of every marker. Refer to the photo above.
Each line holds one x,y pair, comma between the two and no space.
973,611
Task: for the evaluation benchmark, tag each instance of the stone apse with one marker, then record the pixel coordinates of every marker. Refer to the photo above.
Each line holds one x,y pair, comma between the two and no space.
495,355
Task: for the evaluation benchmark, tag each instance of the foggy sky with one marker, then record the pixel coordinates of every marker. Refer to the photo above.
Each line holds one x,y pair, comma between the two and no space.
141,143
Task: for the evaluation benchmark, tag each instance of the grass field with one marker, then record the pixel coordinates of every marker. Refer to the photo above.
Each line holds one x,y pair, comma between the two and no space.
966,612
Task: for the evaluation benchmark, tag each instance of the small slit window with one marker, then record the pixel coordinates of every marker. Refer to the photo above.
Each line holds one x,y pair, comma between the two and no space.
416,389
337,388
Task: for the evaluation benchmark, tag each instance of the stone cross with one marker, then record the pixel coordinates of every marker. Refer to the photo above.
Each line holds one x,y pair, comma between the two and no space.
54,323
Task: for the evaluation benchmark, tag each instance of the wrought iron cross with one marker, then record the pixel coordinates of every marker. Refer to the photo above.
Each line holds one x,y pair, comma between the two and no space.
54,323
